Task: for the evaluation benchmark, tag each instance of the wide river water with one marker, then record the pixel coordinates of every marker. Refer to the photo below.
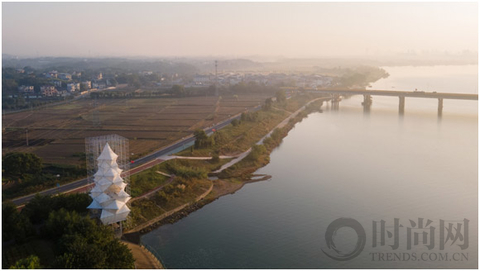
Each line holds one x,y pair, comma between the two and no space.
417,169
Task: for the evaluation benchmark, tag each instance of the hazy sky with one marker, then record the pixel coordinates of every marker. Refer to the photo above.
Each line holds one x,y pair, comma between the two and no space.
236,29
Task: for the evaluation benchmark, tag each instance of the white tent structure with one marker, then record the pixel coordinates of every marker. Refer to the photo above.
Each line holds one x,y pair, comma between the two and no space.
109,194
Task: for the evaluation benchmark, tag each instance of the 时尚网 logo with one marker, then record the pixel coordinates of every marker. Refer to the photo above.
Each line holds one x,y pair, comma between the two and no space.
421,232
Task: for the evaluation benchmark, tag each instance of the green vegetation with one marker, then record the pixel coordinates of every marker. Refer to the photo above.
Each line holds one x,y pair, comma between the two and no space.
32,262
257,151
361,76
39,208
215,158
202,141
146,181
190,182
41,248
150,179
235,122
281,97
19,183
82,243
17,164
180,191
178,90
268,105
65,236
187,172
198,166
15,226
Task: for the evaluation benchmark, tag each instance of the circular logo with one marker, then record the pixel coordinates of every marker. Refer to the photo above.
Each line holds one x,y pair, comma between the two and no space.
332,229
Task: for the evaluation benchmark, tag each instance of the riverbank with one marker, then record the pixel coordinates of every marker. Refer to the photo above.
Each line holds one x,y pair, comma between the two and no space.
144,259
230,181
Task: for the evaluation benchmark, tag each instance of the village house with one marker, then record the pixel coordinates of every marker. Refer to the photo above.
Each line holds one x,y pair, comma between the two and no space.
48,91
65,76
26,89
57,83
87,84
51,74
72,87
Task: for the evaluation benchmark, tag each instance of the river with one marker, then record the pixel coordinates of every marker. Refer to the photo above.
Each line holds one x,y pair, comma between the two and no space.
417,169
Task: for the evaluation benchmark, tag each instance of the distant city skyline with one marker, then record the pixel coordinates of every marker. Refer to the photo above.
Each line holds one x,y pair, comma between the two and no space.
237,29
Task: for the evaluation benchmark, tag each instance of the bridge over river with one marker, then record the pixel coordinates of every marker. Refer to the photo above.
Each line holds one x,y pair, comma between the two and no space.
367,96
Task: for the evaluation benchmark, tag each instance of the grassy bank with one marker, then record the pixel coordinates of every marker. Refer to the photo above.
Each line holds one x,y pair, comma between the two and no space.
177,193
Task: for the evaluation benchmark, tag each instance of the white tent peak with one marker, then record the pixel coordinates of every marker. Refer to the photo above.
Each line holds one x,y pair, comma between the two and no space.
107,154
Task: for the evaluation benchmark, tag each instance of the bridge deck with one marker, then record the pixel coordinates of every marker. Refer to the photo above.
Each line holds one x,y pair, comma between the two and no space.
399,93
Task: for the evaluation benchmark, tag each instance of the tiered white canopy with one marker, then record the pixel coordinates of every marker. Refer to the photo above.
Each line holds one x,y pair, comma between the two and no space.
109,194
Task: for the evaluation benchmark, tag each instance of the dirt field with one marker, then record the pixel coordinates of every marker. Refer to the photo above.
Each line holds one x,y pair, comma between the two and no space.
57,133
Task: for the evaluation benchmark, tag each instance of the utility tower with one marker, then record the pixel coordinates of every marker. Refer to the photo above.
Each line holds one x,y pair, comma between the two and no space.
216,79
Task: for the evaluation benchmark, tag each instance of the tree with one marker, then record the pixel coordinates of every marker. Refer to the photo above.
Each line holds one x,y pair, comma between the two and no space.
39,208
202,140
80,254
14,225
235,122
281,97
268,104
178,90
215,158
18,163
256,151
31,262
82,243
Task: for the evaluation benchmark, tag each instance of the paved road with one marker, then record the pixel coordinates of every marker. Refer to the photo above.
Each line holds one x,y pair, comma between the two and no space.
138,165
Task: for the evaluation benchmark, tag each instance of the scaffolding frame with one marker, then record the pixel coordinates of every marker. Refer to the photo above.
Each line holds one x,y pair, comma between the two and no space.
119,145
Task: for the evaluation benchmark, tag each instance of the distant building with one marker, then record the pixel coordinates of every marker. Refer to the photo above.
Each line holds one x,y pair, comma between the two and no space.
57,83
48,91
26,89
201,80
20,70
87,84
99,76
72,87
52,74
65,76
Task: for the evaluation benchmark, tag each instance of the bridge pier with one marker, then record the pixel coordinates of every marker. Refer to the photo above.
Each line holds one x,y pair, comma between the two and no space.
367,103
335,102
440,106
401,105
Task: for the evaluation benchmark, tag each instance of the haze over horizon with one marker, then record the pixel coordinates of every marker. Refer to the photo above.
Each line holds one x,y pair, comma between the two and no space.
238,29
